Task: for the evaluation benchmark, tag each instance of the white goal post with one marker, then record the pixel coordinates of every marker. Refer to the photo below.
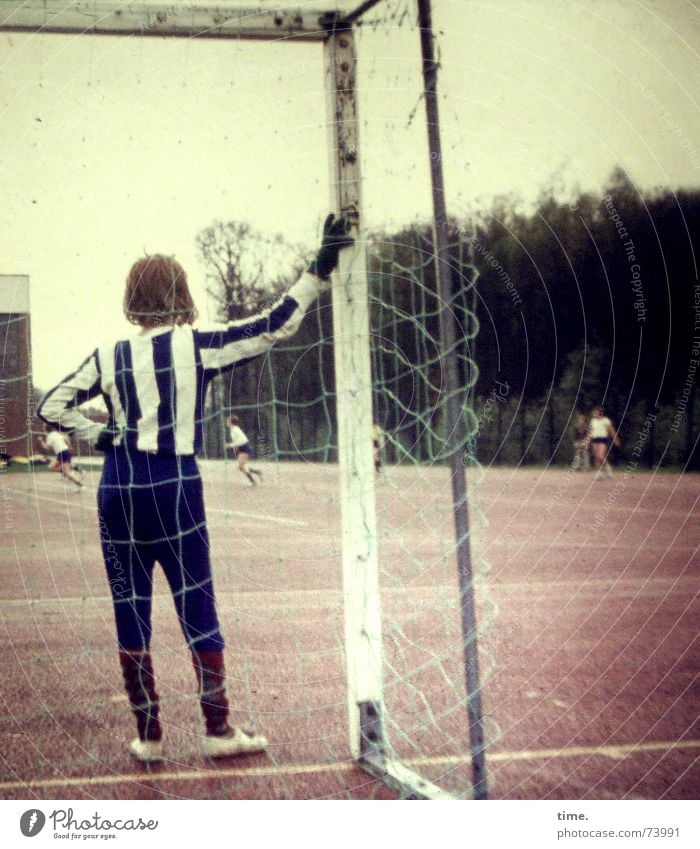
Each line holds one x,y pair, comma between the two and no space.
351,345
363,639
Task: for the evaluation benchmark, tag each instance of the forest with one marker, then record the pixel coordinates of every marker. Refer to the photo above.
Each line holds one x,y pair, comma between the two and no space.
562,307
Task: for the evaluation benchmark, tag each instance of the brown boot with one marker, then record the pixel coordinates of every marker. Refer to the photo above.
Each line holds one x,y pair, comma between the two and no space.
139,681
221,740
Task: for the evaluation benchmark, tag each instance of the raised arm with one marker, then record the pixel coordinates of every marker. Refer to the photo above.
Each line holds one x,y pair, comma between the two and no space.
223,346
59,407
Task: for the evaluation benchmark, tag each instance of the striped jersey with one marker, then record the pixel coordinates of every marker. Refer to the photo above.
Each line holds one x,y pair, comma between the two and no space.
154,382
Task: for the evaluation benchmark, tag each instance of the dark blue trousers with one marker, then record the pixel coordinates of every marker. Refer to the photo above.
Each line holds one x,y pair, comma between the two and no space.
151,508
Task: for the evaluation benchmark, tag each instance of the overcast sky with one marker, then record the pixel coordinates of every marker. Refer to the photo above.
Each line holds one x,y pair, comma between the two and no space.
116,146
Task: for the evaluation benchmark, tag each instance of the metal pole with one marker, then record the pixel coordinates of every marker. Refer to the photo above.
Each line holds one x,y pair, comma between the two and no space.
456,431
360,11
351,348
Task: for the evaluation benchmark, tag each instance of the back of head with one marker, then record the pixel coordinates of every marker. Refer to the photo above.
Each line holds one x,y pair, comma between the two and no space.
157,293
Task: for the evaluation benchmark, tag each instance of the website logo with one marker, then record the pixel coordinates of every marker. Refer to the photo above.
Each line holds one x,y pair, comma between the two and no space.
31,822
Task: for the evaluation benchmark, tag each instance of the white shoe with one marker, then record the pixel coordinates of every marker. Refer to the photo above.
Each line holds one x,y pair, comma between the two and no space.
146,750
236,742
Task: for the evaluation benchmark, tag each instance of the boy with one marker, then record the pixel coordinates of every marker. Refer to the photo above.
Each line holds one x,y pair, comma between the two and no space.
63,462
242,449
602,434
150,499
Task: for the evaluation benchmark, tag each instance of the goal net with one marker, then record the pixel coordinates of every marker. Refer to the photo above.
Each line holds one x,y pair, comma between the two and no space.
337,657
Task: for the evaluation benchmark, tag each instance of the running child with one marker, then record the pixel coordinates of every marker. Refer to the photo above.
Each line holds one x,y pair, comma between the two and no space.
62,463
602,435
241,447
150,498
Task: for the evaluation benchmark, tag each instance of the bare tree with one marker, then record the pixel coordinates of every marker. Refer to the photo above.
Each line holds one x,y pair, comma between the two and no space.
245,268
245,271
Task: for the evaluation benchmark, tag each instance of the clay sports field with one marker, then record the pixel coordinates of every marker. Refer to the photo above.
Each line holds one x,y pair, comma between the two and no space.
588,636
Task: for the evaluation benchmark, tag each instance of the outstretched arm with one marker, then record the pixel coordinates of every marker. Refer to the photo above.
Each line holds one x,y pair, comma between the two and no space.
222,347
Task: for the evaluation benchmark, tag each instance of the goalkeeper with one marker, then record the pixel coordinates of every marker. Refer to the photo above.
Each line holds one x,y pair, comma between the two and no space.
150,499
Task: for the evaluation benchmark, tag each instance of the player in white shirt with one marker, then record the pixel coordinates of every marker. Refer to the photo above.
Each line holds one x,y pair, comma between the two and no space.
63,462
241,447
602,435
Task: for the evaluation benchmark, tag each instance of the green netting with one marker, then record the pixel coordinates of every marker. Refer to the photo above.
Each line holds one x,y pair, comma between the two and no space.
276,555
292,416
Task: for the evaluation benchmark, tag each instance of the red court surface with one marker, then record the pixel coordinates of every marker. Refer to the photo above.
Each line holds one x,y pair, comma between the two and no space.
588,639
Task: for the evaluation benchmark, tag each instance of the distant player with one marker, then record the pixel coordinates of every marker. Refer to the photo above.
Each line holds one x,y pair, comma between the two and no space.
602,435
377,446
582,445
241,447
62,463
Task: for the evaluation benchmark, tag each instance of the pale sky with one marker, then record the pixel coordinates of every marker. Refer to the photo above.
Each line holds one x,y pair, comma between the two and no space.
116,146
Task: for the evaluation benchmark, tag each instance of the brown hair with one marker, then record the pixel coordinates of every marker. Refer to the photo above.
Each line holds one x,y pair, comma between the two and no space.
157,293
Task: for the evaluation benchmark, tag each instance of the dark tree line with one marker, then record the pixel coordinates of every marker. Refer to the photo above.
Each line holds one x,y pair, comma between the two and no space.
593,301
608,291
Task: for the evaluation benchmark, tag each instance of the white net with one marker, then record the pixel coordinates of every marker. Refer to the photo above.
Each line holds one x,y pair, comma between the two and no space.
256,145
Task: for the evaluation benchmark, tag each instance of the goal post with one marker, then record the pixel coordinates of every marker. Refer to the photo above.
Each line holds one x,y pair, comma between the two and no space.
456,426
353,378
353,375
364,656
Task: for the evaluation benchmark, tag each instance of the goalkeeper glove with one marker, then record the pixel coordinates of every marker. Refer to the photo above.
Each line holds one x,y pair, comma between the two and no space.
335,237
105,439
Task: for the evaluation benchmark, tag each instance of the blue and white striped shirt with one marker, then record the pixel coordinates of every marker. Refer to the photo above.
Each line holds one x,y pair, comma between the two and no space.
154,383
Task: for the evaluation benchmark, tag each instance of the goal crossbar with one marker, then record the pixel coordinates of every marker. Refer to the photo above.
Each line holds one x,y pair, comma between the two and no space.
180,20
363,641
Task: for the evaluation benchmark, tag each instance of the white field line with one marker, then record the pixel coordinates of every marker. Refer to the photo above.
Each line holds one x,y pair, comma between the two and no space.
264,517
616,752
71,501
293,599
